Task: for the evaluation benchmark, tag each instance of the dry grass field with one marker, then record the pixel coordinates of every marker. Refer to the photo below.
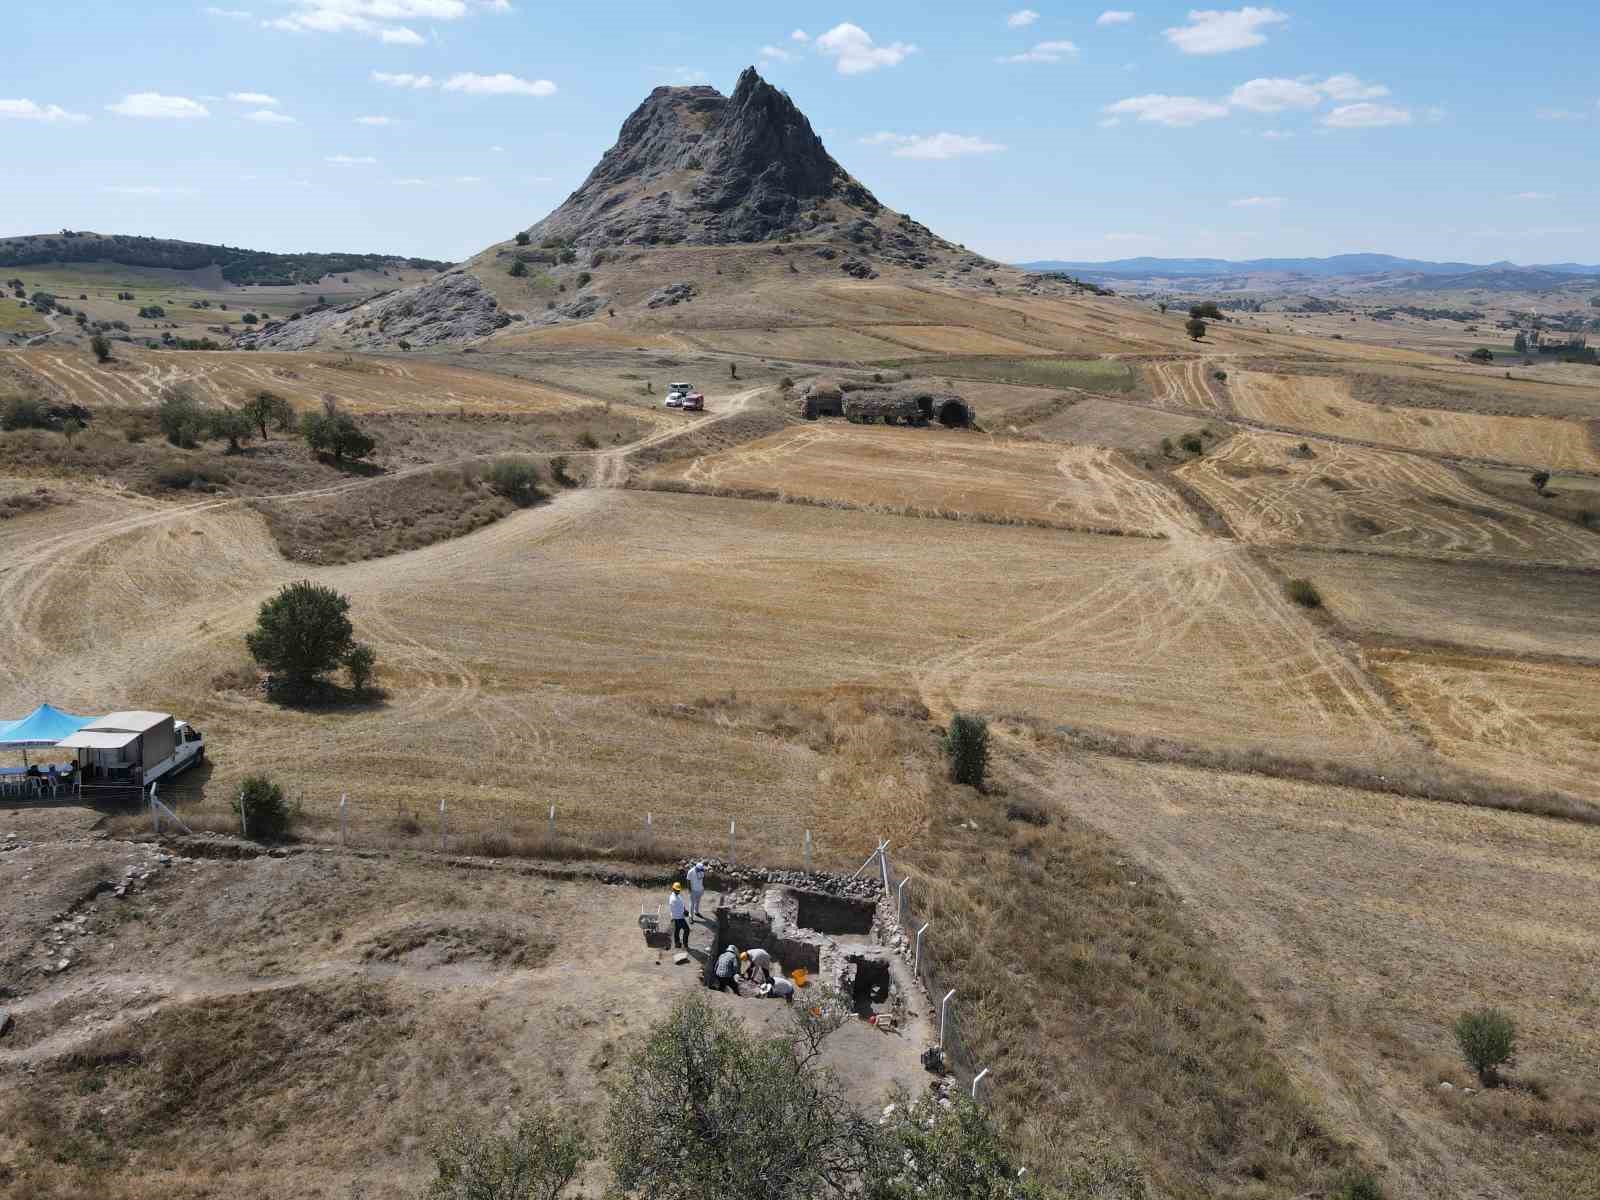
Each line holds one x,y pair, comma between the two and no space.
1324,404
1109,423
1536,723
1350,496
946,473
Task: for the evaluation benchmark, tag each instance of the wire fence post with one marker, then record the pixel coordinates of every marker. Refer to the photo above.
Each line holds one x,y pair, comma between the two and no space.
344,804
552,820
916,966
244,826
976,1080
944,1014
442,832
732,840
900,898
883,863
155,813
808,852
649,826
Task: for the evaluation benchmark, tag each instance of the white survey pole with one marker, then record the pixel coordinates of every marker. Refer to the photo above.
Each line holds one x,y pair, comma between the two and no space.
344,804
732,840
244,827
649,825
808,852
900,897
916,965
977,1079
552,820
944,1013
883,863
442,834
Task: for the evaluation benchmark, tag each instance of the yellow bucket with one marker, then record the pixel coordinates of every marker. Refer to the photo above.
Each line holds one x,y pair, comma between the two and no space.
799,977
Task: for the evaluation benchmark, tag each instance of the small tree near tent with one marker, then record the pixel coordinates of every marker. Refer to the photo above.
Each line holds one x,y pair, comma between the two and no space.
301,634
1196,328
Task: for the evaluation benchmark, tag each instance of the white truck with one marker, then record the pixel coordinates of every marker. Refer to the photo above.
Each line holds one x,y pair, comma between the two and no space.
136,747
684,396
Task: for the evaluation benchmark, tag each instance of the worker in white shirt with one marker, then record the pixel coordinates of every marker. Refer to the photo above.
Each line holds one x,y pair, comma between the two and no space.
697,887
779,989
756,959
680,917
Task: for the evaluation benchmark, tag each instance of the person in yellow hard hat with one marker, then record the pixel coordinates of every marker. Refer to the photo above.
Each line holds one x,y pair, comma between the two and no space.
756,959
679,910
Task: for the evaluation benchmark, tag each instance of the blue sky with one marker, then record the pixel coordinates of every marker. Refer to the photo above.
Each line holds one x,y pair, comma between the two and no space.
1025,130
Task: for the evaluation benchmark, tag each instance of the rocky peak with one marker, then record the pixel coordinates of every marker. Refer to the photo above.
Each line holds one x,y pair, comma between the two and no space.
693,166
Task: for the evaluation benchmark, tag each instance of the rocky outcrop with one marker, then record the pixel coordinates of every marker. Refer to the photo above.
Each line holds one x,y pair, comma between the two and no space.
452,308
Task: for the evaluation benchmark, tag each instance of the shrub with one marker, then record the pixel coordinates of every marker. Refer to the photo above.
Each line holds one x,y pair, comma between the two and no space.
1196,328
583,279
558,471
181,418
1539,479
518,269
249,318
361,663
1207,309
152,312
538,1160
588,441
1357,1185
336,433
1220,376
261,803
267,408
232,424
522,237
1482,355
1303,592
72,427
517,479
1488,1041
967,746
1193,443
25,412
302,632
1028,812
569,256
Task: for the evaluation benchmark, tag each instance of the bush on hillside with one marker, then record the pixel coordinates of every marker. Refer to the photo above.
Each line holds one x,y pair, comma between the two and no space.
538,1160
1358,1185
518,269
302,633
1196,328
25,412
522,237
232,425
517,479
101,346
1482,355
1303,592
1206,309
265,813
182,420
1540,480
336,433
361,664
966,744
1488,1041
267,408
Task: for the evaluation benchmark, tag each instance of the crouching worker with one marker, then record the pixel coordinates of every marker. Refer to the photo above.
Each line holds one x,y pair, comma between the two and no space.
679,910
779,989
756,959
727,972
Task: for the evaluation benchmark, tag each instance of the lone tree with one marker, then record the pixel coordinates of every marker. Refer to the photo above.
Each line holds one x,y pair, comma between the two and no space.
361,663
1488,1041
182,420
101,345
232,424
1540,480
267,408
522,238
1207,309
301,634
518,269
336,433
1196,328
967,745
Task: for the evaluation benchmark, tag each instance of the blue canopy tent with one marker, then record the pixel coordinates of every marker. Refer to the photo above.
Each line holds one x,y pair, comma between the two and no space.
41,729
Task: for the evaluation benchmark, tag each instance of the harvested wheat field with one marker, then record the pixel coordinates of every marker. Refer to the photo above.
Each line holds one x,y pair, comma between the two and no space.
361,382
954,339
1323,404
946,473
1363,924
1376,500
1132,427
1536,723
818,344
1502,607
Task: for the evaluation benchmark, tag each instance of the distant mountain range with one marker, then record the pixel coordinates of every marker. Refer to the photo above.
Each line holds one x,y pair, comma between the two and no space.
1340,265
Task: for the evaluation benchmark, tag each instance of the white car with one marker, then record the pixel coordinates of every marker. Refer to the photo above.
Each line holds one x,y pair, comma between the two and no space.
675,394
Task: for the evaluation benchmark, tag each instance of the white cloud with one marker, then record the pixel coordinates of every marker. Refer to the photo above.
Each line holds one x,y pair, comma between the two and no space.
799,35
1109,122
145,189
232,14
777,53
265,116
410,182
1366,116
27,110
1558,114
351,160
469,179
854,52
1258,202
376,121
1277,135
500,84
1348,87
1212,31
497,149
1044,52
156,106
1176,111
1022,18
259,99
1533,196
402,80
1275,95
401,36
932,146
374,18
1114,16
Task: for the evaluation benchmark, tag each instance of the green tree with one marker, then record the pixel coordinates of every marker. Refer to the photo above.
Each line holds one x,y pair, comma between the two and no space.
967,746
1488,1041
101,345
1482,355
71,427
336,433
1520,345
266,815
1196,328
517,479
705,1107
232,424
361,663
538,1160
1206,309
302,633
518,269
249,318
182,419
1540,480
522,237
267,408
